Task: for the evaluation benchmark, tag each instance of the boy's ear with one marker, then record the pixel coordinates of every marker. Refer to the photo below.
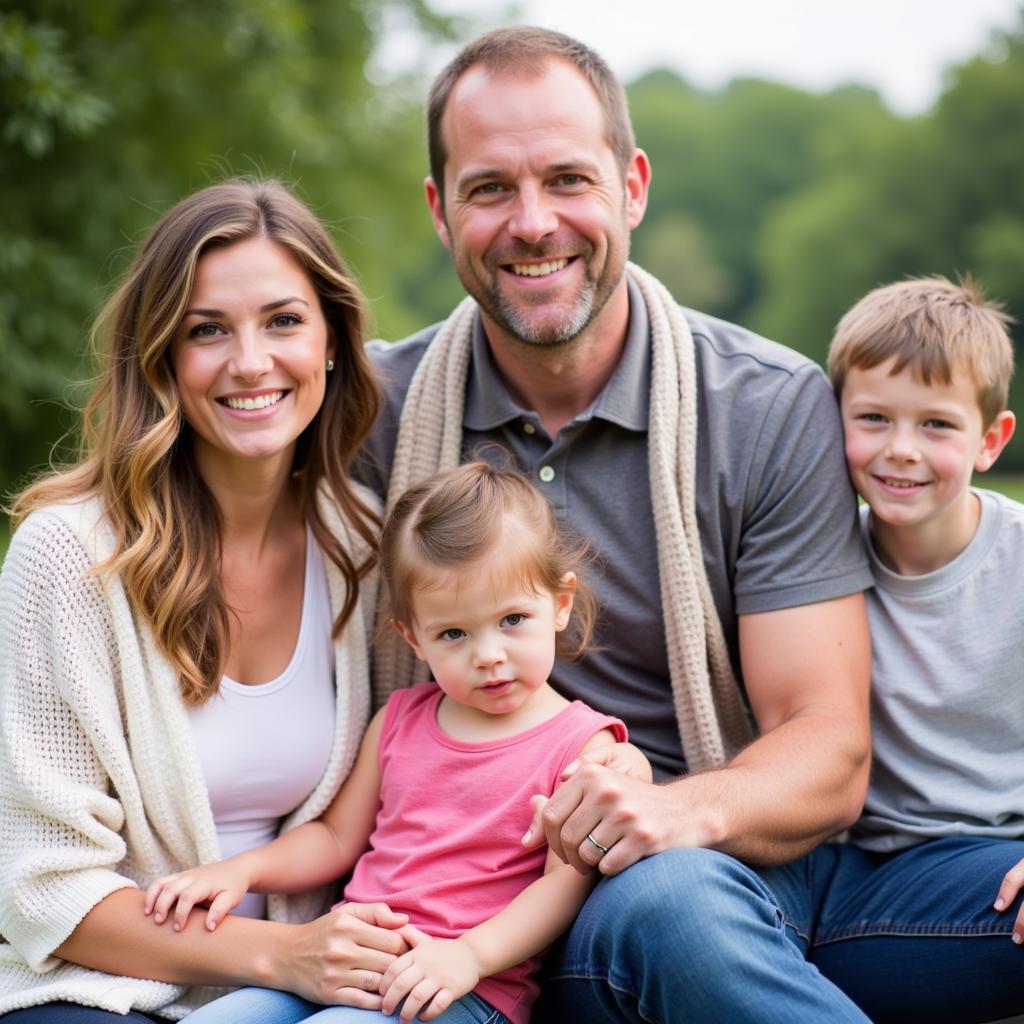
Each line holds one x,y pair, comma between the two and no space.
409,637
563,601
995,440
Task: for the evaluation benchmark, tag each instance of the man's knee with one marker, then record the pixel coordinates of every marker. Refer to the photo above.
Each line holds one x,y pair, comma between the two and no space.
688,898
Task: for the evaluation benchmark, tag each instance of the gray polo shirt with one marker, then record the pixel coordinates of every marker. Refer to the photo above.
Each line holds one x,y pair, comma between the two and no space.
775,509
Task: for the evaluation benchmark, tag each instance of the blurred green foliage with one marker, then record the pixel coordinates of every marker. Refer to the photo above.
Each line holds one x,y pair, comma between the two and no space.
770,205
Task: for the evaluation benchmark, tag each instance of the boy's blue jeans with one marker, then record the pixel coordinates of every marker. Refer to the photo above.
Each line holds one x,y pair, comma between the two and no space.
695,936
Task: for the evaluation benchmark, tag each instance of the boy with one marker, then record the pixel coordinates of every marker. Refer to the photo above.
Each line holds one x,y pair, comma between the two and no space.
921,369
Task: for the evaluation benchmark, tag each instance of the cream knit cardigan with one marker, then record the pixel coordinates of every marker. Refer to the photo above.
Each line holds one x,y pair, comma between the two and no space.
100,781
713,722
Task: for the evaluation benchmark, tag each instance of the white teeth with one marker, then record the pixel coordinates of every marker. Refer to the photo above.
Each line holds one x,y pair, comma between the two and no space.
902,483
538,269
259,402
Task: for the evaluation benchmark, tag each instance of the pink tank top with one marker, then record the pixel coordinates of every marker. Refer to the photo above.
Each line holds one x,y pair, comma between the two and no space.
446,845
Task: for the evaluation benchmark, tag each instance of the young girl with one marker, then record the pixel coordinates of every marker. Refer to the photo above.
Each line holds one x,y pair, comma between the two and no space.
483,587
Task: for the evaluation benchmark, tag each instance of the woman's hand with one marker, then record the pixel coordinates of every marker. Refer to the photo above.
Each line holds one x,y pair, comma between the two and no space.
342,957
221,886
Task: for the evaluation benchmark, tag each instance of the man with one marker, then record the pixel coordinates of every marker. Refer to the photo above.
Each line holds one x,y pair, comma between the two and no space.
706,465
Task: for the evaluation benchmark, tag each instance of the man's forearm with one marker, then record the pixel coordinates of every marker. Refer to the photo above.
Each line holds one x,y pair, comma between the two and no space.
785,793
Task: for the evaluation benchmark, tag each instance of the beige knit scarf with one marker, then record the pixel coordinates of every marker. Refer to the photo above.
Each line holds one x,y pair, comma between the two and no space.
713,723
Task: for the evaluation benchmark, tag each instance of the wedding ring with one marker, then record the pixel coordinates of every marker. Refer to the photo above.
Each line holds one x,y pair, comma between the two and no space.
595,843
371,982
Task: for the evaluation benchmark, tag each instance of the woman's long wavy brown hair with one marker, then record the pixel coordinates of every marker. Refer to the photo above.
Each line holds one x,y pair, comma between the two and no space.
135,452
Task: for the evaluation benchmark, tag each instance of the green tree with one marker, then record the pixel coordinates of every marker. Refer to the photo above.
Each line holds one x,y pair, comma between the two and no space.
940,193
109,119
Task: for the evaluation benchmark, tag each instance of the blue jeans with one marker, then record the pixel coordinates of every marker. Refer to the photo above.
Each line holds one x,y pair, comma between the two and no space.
72,1013
267,1006
840,935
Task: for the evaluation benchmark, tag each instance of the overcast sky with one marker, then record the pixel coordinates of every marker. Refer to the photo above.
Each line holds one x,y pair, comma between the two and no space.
901,47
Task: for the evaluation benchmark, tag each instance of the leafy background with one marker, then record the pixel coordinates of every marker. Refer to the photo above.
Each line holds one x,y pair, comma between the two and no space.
771,206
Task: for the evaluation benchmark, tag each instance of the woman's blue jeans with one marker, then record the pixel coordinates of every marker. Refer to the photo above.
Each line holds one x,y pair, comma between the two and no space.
266,1006
840,935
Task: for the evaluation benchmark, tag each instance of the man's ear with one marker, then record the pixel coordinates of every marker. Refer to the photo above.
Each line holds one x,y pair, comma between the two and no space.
435,203
638,185
409,637
563,601
995,440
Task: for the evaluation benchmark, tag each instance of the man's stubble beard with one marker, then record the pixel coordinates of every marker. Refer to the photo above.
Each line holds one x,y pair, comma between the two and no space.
508,316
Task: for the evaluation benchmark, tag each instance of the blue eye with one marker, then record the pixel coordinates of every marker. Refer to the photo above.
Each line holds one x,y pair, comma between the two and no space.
514,619
451,634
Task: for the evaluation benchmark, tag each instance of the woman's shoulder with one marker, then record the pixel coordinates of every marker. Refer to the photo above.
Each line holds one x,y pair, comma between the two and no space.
59,541
82,518
336,517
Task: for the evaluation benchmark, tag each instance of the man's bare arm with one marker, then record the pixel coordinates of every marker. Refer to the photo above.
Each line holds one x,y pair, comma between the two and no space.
807,671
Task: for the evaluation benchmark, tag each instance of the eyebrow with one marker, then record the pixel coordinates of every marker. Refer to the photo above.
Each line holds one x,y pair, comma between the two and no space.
486,173
277,304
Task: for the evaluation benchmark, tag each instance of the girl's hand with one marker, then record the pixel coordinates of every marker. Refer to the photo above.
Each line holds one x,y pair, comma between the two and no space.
622,757
1011,886
430,977
222,885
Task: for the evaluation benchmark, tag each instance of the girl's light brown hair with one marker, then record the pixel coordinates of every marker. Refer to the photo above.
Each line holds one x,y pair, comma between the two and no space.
453,520
936,328
135,453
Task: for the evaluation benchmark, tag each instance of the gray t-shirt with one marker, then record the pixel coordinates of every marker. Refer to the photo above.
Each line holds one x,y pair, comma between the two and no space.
775,509
948,694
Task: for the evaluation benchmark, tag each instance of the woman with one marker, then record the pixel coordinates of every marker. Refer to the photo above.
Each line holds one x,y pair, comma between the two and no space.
184,618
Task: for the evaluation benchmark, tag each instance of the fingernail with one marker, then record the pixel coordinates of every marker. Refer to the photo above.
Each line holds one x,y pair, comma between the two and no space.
529,835
1000,903
177,927
1017,937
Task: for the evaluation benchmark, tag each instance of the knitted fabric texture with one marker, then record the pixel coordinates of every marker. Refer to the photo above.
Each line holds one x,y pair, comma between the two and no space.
712,717
101,787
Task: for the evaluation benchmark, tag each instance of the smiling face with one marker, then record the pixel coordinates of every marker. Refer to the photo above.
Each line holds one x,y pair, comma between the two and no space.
537,211
911,448
487,635
249,356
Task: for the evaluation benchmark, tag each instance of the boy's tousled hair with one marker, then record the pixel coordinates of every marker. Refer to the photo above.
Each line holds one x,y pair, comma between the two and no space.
936,328
452,520
524,49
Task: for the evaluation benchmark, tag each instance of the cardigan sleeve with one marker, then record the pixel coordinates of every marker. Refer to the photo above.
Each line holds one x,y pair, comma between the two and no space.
60,820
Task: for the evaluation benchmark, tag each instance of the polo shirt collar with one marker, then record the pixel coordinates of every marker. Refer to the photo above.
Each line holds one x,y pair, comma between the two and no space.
624,400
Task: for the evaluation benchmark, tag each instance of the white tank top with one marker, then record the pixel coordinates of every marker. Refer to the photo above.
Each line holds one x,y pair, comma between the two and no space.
264,748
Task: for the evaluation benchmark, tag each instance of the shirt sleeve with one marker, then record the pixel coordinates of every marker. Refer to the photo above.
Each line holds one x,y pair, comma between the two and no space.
60,821
800,542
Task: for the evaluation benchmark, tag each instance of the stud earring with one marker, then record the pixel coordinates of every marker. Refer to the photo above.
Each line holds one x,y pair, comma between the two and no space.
330,365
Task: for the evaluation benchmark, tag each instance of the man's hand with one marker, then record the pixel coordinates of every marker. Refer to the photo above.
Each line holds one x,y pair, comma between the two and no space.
430,977
630,818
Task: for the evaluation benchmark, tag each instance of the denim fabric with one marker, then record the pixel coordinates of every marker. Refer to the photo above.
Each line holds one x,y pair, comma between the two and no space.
695,936
72,1013
267,1006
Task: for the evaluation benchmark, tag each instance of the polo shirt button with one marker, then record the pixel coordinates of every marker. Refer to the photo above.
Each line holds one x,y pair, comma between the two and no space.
529,428
547,474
